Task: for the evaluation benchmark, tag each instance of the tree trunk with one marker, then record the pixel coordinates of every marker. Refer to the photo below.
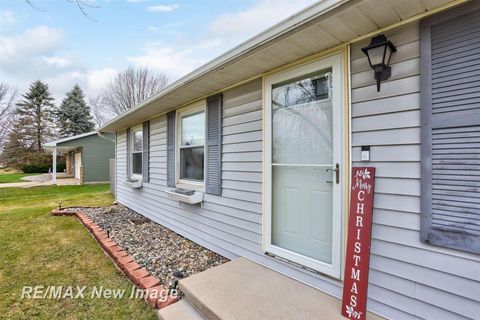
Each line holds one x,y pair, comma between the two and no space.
39,129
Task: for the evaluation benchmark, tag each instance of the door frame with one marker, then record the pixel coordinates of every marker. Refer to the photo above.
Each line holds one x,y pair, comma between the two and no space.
79,165
336,62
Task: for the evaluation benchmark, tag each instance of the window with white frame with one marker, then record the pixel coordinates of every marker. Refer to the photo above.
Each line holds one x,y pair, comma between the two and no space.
137,151
191,146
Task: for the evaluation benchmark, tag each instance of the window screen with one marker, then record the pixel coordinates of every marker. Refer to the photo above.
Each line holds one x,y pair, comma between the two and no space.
192,146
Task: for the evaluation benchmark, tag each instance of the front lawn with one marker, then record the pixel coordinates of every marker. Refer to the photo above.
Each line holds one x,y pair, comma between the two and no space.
13,177
41,250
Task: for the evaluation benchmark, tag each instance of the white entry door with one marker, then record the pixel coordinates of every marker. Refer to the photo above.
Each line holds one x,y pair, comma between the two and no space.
78,164
304,139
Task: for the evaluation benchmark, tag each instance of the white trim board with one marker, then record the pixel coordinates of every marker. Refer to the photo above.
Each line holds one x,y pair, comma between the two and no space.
54,143
336,63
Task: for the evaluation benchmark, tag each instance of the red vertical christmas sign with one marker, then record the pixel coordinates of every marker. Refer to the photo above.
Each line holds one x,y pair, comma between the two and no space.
354,304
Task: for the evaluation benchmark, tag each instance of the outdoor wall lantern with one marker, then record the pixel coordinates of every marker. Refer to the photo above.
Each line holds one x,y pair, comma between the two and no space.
379,52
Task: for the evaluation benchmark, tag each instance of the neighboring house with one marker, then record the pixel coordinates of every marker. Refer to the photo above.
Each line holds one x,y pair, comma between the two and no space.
86,155
269,132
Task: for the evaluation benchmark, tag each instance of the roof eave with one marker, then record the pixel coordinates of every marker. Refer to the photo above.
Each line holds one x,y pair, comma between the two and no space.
243,49
54,143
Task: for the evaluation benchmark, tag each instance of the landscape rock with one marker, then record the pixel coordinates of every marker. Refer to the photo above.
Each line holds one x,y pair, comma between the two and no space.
162,252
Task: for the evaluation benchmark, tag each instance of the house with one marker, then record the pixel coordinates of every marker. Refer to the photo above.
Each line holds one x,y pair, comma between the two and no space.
267,133
86,155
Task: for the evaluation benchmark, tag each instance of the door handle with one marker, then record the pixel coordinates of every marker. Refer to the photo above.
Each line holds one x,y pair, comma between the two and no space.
337,173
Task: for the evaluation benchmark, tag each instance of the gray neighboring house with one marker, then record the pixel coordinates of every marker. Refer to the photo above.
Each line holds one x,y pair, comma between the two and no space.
266,134
87,156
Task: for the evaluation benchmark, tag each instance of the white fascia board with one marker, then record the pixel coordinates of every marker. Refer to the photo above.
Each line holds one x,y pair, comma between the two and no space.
54,143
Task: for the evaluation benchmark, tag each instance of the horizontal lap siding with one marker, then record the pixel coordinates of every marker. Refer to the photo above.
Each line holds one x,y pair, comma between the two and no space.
408,279
242,172
230,224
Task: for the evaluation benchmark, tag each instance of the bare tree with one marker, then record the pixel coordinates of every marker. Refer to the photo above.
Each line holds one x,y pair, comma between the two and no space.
130,87
99,112
7,100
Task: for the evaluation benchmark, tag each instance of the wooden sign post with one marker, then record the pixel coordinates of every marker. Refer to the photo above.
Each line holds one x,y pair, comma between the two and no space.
354,304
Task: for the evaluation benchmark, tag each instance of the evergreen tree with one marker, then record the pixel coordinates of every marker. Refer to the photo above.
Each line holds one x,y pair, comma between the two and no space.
35,117
14,152
74,115
20,153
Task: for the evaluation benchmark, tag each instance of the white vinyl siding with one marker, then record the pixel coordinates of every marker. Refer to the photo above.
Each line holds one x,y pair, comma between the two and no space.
230,224
408,279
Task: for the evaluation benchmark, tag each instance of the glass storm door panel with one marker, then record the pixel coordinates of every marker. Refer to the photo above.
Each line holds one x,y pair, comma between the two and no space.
305,138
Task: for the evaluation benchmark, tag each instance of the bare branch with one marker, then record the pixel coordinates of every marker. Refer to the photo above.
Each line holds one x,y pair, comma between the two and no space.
100,113
130,87
83,6
34,7
7,101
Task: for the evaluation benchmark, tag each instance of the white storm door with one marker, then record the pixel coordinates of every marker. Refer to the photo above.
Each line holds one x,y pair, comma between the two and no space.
78,164
304,143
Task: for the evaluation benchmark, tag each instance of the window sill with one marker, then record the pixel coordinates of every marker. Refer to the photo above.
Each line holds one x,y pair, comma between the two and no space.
134,184
191,186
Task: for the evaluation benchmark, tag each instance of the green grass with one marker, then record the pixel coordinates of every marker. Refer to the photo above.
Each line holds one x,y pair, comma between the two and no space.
13,177
38,249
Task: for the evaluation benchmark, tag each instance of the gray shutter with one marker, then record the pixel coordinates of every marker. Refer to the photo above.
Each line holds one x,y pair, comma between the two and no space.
213,183
146,152
128,154
450,53
171,149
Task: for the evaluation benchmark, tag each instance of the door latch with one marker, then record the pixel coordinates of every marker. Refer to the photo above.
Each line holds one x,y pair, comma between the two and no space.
337,173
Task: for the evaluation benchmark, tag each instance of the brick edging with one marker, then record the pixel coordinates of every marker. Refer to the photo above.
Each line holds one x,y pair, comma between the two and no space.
138,275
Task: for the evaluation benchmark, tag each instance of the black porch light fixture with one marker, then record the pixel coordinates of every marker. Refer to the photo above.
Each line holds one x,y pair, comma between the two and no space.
379,52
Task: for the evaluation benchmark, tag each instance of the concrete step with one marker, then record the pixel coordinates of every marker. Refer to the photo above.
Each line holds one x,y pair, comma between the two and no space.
181,310
242,289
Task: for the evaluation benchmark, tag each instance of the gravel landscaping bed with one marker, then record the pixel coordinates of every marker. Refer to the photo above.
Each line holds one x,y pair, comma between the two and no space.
161,251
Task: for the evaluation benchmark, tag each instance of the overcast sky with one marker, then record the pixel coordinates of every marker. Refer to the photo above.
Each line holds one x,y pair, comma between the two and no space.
57,44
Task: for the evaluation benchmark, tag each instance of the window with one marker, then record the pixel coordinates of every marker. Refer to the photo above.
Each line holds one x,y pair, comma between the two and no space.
137,151
194,137
192,146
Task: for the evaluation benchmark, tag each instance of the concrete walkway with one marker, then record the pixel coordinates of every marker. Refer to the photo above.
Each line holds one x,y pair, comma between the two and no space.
18,184
38,178
40,182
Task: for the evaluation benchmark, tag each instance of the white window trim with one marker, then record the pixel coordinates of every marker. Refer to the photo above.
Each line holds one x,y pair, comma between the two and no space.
333,269
182,183
135,176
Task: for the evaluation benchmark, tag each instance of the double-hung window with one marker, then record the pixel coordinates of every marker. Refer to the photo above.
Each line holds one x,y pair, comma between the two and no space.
194,138
191,145
137,152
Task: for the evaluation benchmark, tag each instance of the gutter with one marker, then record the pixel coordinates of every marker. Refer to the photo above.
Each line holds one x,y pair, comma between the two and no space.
101,135
262,38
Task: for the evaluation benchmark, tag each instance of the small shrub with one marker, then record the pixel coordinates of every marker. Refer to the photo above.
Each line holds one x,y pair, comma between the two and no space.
35,168
41,163
41,168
